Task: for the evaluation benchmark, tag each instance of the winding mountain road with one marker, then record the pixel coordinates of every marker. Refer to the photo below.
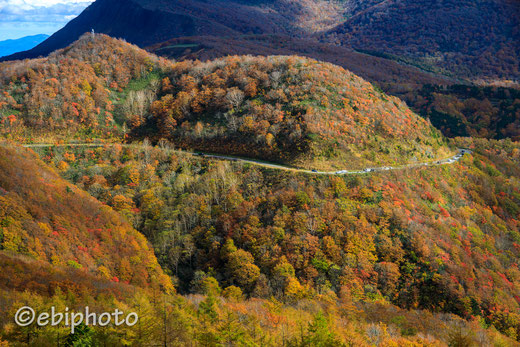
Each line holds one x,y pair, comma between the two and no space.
446,161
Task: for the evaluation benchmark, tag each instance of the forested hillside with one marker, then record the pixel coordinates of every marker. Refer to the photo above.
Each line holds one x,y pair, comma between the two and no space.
216,318
259,256
46,218
285,109
442,239
343,250
326,291
410,43
473,39
74,92
462,110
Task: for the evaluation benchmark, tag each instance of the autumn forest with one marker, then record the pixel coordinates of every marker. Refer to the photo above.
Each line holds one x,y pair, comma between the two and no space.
109,198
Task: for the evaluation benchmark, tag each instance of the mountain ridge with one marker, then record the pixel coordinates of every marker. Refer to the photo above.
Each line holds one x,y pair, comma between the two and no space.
313,115
363,26
464,38
196,29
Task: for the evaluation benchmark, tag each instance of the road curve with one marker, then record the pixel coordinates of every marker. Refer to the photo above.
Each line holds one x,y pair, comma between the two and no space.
446,161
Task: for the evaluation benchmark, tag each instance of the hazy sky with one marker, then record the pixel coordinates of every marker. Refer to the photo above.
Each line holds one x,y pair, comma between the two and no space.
20,18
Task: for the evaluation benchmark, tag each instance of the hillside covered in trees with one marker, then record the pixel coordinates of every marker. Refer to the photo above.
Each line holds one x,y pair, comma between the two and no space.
307,296
286,109
462,110
74,92
473,39
42,224
442,239
215,318
259,256
44,217
400,45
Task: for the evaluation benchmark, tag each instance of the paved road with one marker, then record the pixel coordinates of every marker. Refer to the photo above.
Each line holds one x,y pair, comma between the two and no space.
446,161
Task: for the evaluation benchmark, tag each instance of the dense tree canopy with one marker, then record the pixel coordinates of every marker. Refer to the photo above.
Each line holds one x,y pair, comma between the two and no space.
262,256
46,218
289,109
435,238
74,92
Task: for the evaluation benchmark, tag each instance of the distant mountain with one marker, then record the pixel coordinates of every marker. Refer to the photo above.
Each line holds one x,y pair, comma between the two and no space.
221,28
8,47
464,38
467,38
146,22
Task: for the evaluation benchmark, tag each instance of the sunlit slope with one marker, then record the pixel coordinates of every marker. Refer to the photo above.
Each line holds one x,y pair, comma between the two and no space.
285,109
288,109
46,218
